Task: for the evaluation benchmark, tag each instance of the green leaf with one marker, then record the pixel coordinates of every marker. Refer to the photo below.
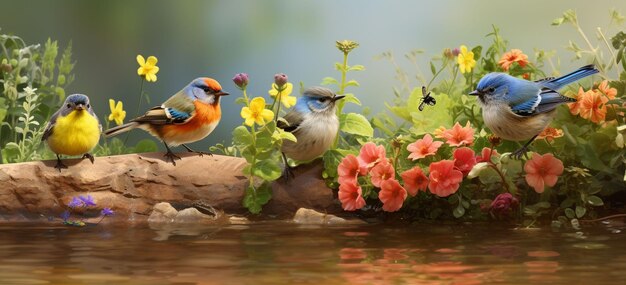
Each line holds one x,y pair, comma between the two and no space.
580,211
241,136
595,201
339,67
557,21
357,67
352,99
254,199
146,145
458,212
241,101
287,136
477,52
489,176
267,170
356,124
352,83
569,213
433,70
329,81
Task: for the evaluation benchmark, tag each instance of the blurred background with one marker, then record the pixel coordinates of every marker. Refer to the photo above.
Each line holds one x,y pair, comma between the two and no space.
221,38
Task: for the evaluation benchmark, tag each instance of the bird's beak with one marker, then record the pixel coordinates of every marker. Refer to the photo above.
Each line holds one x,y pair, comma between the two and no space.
222,93
475,93
337,97
79,107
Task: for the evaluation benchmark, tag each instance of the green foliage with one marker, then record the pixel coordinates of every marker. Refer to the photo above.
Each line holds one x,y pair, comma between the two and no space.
32,86
591,149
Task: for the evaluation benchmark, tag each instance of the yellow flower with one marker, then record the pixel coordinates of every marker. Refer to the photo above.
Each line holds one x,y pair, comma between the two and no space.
466,60
148,69
256,112
117,112
287,100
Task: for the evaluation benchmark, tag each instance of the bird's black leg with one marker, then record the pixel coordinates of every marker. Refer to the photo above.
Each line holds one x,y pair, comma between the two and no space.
170,155
60,164
88,155
200,153
287,170
523,150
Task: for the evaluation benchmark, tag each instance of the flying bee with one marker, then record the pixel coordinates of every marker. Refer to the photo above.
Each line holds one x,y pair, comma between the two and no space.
426,99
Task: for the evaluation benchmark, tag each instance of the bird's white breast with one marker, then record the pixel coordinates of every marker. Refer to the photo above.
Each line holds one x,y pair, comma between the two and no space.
315,135
504,123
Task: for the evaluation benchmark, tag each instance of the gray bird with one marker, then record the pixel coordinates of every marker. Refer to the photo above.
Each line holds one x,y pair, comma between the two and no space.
313,121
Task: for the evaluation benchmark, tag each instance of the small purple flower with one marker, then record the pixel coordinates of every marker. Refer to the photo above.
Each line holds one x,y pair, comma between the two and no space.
241,80
107,212
65,215
75,203
503,204
280,79
87,200
456,51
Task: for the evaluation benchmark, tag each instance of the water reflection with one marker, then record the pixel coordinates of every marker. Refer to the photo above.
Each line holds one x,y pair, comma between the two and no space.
281,253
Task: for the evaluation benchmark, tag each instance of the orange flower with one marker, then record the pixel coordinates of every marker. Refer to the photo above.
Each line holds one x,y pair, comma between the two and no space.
458,136
542,170
444,178
414,180
381,172
550,134
371,154
513,56
349,169
423,147
350,195
593,106
606,90
574,108
486,154
392,195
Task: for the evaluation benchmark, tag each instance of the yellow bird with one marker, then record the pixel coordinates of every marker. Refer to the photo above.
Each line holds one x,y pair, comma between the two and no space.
73,130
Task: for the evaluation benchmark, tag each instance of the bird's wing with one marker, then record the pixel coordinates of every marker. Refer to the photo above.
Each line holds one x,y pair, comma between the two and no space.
50,126
178,109
523,96
550,99
294,119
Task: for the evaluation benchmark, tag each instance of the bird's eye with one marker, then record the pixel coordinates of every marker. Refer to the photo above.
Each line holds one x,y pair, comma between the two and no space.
69,105
491,89
88,106
323,99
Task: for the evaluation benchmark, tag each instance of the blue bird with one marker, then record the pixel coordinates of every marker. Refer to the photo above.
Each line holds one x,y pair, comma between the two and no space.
314,123
516,109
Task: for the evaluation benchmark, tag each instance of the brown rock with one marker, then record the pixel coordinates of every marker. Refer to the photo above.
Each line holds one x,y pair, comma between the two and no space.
132,184
312,217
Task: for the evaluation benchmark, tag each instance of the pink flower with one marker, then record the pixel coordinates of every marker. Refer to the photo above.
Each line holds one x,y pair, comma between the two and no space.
458,136
381,172
464,159
371,154
486,154
349,169
503,204
444,178
392,195
423,147
543,170
350,195
414,180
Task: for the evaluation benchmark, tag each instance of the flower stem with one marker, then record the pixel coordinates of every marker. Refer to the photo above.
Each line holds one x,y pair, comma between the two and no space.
138,106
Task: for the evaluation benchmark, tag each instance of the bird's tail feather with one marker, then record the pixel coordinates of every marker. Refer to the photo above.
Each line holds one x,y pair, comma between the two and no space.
580,73
120,129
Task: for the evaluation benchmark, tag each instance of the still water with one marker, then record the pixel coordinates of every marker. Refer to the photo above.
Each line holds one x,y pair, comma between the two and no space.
284,253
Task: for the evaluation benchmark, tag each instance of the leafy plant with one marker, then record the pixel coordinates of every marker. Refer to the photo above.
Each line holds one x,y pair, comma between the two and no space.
25,69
